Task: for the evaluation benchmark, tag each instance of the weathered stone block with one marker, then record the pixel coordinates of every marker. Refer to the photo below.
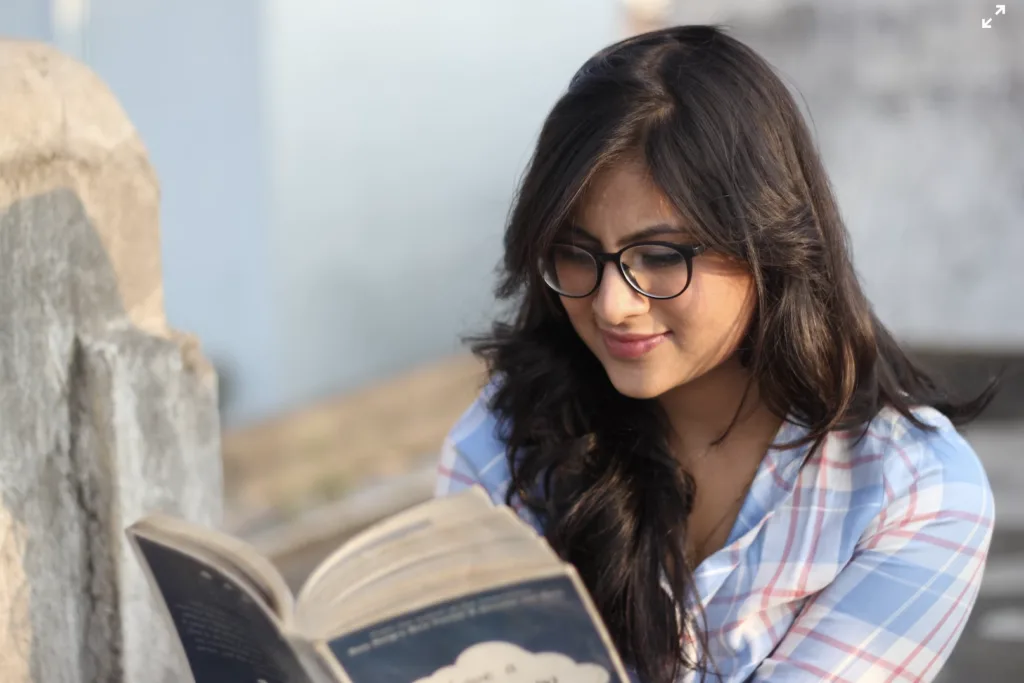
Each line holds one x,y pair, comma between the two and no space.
105,412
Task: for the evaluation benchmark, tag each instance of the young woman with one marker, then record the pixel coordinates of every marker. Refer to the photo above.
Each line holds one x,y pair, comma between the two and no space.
694,401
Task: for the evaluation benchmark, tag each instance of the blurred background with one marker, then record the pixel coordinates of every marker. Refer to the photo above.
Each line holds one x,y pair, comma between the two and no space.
298,142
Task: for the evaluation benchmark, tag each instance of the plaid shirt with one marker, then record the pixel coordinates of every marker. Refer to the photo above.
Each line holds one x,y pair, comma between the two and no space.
858,563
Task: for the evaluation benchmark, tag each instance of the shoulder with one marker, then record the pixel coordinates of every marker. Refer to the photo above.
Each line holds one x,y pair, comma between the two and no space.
474,450
475,453
921,471
912,453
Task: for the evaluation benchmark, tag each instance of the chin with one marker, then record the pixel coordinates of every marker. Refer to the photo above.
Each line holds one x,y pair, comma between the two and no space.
637,382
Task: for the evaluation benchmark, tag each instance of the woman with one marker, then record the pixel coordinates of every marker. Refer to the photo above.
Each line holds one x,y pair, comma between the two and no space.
695,402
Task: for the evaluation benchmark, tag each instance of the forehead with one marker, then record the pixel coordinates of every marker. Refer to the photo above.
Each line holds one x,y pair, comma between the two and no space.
622,199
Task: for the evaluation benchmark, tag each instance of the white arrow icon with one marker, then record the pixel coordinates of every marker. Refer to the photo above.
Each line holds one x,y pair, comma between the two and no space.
1000,9
986,23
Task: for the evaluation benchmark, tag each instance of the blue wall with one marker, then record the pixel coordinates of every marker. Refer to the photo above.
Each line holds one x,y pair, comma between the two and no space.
190,76
399,130
335,176
25,19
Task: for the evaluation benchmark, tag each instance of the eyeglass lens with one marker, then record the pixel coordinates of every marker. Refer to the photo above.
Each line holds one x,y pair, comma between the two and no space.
654,270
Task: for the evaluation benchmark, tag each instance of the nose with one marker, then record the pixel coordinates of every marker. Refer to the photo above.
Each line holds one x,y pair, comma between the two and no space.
615,300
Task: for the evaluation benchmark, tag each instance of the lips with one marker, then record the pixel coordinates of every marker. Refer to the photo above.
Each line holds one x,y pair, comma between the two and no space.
631,346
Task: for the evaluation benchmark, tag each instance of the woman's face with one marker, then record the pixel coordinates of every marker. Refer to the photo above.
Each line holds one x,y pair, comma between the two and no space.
648,346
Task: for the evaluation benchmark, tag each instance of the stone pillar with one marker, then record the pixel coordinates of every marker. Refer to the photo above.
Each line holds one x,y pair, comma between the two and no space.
642,16
105,412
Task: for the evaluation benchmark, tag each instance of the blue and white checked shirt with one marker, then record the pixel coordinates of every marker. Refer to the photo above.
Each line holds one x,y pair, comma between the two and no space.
860,563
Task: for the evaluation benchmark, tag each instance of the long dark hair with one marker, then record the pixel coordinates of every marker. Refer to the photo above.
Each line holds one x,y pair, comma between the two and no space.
726,143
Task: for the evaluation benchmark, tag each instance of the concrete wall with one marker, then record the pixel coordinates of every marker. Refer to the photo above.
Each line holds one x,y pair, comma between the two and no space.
293,138
398,131
191,77
300,145
919,112
28,19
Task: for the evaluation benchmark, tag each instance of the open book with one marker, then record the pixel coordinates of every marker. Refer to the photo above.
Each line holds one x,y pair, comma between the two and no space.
454,590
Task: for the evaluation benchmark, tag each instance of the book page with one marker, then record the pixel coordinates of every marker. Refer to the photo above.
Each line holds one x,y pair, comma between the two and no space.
431,580
334,583
417,519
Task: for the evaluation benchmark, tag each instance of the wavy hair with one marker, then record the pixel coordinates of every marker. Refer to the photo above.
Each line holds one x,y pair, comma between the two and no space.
724,140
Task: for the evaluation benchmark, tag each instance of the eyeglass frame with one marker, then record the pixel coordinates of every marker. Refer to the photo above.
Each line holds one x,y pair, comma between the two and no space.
602,258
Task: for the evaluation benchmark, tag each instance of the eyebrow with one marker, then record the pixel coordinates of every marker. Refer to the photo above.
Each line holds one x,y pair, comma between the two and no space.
651,231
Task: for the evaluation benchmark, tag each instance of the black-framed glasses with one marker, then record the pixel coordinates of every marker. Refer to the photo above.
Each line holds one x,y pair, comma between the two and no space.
658,270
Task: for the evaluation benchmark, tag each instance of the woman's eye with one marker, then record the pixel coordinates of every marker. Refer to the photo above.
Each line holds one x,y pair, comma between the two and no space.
571,256
666,260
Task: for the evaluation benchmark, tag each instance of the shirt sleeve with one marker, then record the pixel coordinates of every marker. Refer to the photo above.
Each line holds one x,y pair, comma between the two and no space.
898,608
454,471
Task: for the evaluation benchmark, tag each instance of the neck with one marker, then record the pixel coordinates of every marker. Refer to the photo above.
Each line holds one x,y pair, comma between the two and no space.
726,399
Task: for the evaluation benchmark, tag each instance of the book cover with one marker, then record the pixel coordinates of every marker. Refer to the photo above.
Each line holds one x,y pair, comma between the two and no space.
538,631
226,635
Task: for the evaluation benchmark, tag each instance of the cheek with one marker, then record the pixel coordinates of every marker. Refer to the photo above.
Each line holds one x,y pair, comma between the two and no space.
579,312
680,315
717,315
